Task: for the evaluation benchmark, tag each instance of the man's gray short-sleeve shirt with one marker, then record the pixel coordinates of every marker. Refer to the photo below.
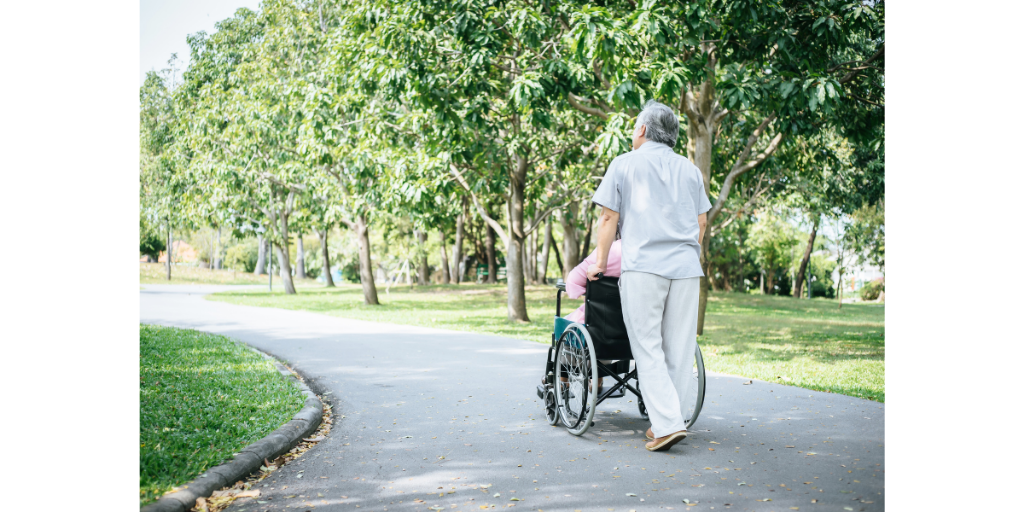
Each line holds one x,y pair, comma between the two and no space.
658,195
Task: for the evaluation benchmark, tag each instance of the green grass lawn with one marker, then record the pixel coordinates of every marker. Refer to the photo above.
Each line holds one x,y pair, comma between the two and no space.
202,398
156,273
807,343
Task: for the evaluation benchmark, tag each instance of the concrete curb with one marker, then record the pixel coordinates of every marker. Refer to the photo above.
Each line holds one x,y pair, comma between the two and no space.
250,458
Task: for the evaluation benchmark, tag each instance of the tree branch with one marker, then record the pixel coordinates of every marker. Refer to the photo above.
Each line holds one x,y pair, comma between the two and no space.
575,102
294,188
853,74
743,164
480,209
858,98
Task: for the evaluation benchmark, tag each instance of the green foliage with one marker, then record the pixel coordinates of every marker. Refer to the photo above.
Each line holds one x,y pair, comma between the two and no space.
820,268
243,256
350,271
872,290
772,240
202,398
151,241
867,234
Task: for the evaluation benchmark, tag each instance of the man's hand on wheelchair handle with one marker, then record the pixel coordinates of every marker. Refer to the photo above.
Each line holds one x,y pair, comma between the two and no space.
593,271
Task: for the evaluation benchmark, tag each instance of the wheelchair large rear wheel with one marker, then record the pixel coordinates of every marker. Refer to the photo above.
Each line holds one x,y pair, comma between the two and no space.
695,400
575,379
696,391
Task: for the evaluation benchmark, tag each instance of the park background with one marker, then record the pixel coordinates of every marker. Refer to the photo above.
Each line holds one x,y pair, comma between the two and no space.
424,152
433,164
83,304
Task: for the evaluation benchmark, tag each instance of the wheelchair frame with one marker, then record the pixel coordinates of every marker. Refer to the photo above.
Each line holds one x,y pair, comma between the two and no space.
619,371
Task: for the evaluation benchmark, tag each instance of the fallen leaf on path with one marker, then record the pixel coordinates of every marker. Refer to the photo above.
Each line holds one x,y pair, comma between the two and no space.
631,494
747,383
314,439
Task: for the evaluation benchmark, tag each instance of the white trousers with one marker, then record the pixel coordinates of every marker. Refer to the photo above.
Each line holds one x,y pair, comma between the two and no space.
661,319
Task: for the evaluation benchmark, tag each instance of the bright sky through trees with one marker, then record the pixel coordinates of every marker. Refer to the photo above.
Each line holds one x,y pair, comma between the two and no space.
164,24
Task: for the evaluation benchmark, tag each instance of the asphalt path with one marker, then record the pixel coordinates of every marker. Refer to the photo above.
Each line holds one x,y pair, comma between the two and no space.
438,419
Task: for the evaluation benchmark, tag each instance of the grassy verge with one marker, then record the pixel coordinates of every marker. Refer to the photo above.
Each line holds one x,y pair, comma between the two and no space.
202,398
156,273
807,343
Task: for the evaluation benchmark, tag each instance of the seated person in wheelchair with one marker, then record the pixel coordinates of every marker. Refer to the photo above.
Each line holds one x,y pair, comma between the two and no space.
576,286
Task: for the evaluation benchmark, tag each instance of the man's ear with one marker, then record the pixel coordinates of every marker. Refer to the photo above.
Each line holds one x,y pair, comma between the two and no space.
643,130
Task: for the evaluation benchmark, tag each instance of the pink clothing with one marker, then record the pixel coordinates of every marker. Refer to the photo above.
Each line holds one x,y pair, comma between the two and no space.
576,285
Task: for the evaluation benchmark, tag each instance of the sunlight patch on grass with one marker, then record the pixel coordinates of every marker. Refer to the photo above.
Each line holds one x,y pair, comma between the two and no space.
202,398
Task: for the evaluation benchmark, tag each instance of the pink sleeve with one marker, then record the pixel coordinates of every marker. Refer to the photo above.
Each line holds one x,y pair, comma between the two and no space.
577,283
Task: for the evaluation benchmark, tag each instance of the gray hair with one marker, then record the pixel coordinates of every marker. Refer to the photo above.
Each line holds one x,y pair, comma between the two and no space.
662,124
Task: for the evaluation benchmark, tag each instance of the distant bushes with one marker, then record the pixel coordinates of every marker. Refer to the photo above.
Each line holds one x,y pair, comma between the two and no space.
872,290
243,256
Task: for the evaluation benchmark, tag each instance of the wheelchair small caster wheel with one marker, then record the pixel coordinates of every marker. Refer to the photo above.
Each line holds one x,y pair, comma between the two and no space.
550,409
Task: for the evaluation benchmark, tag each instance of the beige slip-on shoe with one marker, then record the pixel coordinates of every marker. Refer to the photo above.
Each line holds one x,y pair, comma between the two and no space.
664,443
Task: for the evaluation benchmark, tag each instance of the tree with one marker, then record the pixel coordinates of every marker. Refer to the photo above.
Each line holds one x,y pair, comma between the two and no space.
151,243
488,81
160,180
867,234
765,70
772,239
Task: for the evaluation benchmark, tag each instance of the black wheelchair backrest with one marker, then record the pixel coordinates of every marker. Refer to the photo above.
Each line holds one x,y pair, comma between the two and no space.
604,319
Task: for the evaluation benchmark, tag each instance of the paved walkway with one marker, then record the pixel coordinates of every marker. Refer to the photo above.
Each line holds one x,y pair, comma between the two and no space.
435,418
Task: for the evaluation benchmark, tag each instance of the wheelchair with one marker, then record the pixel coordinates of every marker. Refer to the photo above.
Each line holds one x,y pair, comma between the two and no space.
577,357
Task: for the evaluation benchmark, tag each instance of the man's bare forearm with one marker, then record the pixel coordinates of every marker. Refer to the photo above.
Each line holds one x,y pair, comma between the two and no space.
606,235
702,221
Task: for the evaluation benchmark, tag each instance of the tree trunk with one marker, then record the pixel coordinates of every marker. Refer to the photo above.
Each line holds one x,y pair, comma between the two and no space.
587,235
261,256
218,262
542,265
283,257
534,252
558,258
170,241
514,251
492,259
839,290
423,275
570,241
284,263
445,274
702,298
799,281
460,233
362,232
530,259
300,256
771,280
326,259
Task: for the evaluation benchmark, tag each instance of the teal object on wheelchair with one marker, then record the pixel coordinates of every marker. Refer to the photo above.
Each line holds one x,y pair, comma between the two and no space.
560,325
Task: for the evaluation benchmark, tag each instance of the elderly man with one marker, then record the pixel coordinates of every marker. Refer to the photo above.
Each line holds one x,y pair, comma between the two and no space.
656,200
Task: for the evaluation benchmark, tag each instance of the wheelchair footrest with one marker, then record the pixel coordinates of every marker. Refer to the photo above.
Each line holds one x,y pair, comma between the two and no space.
541,388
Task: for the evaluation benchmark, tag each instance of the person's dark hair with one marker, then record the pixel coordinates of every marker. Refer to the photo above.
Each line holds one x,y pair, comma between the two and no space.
662,124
